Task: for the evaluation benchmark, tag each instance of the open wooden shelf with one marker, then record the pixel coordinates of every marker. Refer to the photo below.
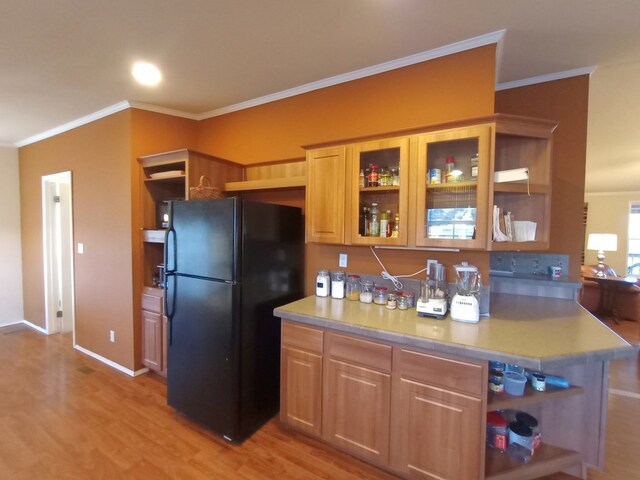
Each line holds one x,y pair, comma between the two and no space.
265,184
153,236
504,401
507,187
547,460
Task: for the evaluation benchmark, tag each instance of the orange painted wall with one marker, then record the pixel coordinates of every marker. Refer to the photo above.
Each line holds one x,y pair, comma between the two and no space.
448,88
98,156
566,101
445,89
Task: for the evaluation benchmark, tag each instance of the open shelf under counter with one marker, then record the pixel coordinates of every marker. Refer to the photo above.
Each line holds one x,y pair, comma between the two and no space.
153,236
547,460
266,184
504,401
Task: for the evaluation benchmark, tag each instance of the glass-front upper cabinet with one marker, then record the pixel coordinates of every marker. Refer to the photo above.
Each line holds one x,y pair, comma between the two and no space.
452,194
378,192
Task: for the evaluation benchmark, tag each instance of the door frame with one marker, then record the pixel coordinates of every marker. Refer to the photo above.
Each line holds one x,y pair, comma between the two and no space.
57,249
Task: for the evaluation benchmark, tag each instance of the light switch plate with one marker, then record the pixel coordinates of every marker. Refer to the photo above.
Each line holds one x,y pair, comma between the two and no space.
342,260
80,248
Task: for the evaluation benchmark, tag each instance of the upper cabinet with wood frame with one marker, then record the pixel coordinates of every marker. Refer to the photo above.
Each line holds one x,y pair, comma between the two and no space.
325,195
378,174
433,209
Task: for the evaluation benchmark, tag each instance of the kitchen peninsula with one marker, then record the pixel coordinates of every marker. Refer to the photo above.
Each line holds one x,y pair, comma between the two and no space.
410,395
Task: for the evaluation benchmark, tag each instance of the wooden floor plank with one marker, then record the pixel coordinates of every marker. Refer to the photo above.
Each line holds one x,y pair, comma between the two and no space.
63,415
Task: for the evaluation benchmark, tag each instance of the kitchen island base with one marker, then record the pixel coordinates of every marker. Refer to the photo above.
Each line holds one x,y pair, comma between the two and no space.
420,412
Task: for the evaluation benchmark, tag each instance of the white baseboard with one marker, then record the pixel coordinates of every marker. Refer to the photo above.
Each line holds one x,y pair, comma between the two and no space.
111,363
34,326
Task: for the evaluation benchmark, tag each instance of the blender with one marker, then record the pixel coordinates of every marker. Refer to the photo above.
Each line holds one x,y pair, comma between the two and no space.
464,305
433,293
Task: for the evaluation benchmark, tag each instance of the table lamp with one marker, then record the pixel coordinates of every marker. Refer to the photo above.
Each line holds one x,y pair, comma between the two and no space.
602,242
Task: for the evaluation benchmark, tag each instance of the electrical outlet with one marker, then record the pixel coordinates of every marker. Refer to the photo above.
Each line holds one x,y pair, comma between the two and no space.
112,336
342,260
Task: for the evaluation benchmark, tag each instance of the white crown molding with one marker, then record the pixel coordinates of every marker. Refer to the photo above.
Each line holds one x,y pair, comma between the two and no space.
92,117
546,78
167,111
475,42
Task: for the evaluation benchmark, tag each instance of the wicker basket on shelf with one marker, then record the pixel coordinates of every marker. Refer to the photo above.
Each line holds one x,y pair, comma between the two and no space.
204,190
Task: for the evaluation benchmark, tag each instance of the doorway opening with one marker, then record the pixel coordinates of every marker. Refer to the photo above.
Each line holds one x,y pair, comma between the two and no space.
57,228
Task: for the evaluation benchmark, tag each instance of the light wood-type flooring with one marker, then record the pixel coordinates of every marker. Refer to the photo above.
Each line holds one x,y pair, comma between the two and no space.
64,415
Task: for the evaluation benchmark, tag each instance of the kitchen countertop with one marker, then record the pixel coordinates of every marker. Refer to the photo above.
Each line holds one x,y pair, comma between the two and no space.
534,332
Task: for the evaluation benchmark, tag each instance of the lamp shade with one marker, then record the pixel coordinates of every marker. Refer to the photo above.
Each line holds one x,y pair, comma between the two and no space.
607,242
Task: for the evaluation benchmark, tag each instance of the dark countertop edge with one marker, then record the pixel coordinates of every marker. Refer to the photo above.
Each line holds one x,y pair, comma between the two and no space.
532,363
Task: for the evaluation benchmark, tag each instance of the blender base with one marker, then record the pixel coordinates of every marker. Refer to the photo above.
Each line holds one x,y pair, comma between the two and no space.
464,308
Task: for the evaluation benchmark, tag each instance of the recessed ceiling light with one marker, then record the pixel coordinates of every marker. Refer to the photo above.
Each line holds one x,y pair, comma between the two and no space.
146,74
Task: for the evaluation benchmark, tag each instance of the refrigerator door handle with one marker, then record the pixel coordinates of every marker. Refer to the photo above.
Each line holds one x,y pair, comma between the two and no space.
170,300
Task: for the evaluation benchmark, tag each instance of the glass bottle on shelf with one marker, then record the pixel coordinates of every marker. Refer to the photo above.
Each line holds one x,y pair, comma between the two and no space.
373,176
361,181
374,223
367,174
384,222
395,176
395,229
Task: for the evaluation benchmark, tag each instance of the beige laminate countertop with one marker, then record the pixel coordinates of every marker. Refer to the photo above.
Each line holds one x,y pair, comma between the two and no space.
534,332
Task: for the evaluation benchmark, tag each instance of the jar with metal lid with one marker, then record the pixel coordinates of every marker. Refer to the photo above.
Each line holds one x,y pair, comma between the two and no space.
403,301
366,291
323,283
380,295
353,287
395,176
392,301
496,384
337,284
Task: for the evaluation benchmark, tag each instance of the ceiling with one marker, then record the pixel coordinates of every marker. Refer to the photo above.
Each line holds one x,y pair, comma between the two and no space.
63,60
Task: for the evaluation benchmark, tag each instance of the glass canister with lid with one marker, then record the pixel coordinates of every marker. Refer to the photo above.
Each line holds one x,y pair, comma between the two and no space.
380,295
353,287
323,286
337,284
366,291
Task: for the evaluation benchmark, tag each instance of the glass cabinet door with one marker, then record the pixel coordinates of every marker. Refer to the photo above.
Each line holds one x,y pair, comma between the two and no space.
379,177
452,192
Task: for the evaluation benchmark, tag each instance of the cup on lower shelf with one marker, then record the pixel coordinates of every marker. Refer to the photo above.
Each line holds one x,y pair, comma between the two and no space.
514,383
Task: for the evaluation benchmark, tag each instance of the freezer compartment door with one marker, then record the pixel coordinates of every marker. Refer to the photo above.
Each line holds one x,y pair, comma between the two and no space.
202,238
202,378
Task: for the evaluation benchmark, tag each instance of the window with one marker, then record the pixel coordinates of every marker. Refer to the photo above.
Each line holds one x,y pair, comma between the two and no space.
633,252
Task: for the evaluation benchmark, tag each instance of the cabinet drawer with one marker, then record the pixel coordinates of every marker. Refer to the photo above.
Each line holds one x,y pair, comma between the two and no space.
458,375
305,338
361,352
151,303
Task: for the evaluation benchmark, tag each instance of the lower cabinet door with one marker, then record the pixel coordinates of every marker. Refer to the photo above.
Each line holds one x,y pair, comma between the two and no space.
301,390
356,413
152,340
437,434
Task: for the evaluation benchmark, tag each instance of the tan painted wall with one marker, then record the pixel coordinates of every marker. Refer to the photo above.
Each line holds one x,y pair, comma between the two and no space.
449,88
567,102
98,155
609,213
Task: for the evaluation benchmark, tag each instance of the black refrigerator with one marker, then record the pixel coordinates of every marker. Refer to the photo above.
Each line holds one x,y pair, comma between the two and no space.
228,264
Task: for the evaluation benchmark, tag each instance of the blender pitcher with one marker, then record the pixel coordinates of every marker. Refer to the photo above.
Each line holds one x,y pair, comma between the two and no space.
464,305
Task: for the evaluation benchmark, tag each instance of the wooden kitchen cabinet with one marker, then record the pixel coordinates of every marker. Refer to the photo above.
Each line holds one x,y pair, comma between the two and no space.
457,214
454,213
325,195
357,396
301,378
388,155
154,331
437,421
